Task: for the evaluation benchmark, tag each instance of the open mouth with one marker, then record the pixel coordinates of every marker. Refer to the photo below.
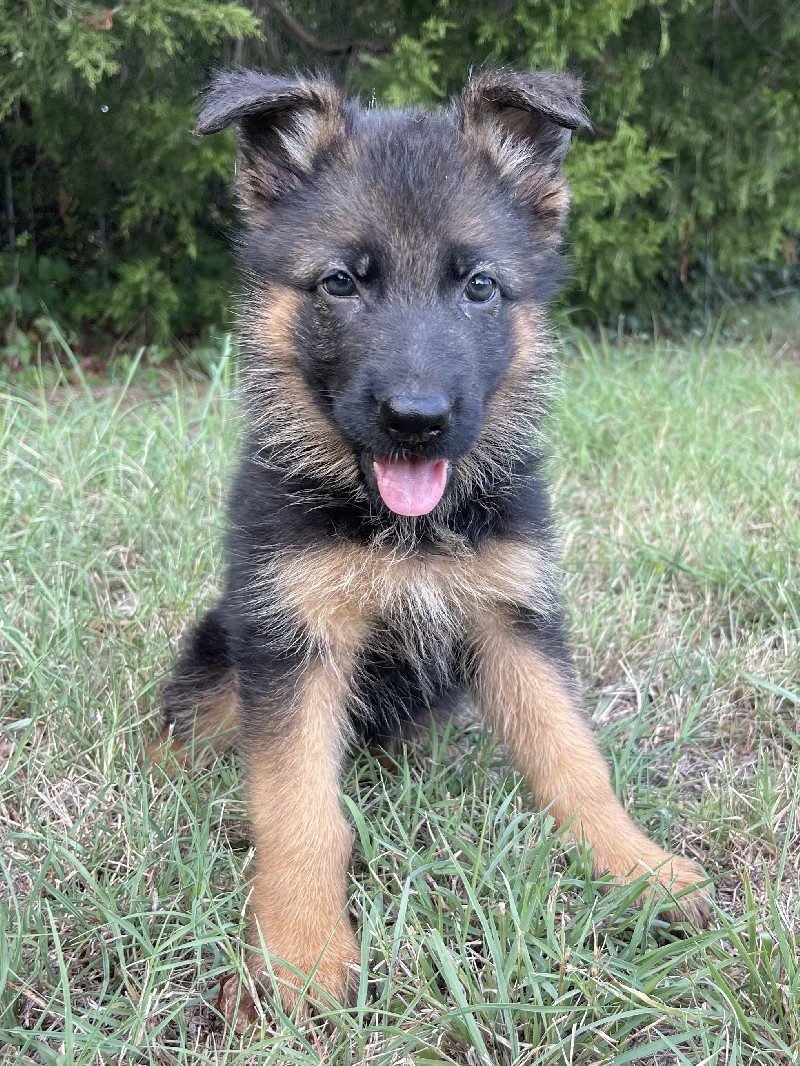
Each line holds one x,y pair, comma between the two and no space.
410,486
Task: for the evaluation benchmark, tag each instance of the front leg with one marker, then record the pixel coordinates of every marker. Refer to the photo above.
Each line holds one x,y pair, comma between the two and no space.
298,907
528,696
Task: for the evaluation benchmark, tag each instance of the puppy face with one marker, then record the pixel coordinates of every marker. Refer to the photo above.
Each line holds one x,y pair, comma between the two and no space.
395,261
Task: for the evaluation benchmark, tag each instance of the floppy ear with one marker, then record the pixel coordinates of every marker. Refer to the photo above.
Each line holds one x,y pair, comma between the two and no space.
283,125
524,122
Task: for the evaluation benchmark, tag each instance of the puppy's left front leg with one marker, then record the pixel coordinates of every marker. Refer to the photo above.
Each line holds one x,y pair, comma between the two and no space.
530,702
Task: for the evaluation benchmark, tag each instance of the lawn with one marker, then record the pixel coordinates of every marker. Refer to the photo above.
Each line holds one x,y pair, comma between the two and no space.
677,476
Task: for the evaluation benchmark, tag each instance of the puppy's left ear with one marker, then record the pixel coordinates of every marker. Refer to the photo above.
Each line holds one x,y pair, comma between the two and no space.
525,122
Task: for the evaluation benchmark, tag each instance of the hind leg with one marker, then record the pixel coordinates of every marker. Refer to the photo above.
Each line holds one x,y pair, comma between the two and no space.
199,698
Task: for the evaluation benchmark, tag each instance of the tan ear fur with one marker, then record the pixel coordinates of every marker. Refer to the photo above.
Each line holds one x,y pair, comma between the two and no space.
523,123
283,126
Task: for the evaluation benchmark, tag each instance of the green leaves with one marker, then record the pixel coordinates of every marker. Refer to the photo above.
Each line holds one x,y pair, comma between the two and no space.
98,107
689,193
615,233
686,199
412,72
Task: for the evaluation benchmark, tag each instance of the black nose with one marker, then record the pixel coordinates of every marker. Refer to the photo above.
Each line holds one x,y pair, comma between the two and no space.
415,419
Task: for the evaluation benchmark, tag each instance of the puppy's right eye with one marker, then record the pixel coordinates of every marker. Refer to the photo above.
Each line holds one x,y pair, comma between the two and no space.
339,284
480,289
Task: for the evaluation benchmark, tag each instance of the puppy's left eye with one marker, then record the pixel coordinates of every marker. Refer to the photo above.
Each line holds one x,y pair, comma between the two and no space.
480,288
339,284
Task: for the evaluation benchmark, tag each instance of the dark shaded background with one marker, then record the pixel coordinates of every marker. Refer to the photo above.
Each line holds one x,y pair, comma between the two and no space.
115,219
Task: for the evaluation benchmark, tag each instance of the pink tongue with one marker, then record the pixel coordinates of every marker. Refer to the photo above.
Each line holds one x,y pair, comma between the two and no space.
410,486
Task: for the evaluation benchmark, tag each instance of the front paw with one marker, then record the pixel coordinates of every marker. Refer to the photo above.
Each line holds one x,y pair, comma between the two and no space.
683,882
327,976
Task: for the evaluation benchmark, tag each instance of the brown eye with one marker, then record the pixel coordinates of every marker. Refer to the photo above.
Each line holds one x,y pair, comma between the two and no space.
339,284
480,288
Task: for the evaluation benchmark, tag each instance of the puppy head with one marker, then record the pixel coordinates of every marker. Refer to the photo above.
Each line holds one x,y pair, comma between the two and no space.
397,262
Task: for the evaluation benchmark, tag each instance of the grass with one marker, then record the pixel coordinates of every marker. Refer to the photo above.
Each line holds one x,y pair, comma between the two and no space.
122,893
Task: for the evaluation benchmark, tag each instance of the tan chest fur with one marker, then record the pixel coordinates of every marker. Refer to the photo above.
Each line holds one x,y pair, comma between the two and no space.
347,594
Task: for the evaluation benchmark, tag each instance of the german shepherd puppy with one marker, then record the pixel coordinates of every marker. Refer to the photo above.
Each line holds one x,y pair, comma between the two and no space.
390,549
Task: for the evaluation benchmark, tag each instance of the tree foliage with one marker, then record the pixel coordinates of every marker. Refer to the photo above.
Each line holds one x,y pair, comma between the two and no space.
111,213
115,216
690,190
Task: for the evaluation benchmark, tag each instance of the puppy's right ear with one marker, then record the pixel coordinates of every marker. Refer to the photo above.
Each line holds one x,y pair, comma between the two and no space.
283,126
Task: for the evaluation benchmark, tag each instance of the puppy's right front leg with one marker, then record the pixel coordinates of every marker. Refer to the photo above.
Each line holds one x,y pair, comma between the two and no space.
298,905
